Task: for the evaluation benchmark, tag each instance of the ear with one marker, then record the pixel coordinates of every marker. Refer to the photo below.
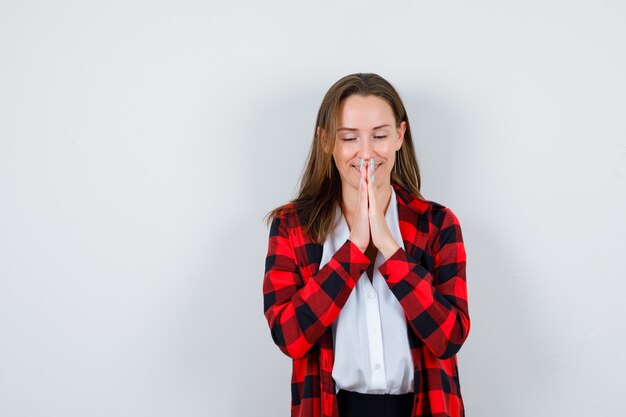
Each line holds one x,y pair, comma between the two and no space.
401,130
323,140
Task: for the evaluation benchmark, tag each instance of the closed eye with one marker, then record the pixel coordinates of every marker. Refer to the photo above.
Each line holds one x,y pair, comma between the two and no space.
380,137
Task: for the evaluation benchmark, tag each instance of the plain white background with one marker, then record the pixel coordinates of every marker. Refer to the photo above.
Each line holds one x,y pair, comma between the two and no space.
142,142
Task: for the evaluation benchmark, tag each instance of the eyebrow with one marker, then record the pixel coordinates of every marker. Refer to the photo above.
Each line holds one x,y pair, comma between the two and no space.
352,129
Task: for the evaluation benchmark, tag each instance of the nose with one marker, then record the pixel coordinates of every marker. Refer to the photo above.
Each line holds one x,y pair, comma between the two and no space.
365,150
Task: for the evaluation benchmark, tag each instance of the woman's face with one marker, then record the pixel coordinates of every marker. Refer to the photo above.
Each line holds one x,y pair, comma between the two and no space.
366,128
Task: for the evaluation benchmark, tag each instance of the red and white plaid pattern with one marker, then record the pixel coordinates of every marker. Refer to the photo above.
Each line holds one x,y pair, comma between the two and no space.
301,301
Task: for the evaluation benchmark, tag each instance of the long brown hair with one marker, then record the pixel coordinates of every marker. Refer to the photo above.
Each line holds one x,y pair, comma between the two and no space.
320,185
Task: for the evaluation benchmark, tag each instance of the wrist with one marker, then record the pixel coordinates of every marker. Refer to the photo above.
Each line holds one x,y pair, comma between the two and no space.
362,249
388,249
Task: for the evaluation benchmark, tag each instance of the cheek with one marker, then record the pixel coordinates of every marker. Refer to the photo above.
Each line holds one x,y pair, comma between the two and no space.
341,154
386,149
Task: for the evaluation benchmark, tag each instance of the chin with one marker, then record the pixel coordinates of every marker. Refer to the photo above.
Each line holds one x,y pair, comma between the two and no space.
385,181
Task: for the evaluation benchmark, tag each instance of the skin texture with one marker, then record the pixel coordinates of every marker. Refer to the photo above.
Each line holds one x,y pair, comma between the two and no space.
367,130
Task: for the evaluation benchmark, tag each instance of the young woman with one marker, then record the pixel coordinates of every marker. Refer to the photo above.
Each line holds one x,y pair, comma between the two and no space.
364,283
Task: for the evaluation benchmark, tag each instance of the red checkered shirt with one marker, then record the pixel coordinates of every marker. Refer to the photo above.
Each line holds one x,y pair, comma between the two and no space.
302,300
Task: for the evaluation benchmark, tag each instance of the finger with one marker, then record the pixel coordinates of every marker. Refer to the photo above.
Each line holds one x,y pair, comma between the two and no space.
362,172
364,193
360,223
359,188
371,188
361,195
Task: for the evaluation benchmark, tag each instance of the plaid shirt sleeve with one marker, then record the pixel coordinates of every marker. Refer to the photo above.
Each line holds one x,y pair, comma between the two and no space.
435,304
299,309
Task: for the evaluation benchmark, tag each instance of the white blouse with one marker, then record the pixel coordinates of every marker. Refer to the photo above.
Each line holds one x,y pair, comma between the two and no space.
372,352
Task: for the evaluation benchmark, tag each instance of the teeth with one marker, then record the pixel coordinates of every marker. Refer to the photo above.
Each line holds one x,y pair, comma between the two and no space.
376,166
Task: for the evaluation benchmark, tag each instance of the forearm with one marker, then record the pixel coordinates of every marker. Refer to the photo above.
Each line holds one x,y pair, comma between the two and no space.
297,313
437,314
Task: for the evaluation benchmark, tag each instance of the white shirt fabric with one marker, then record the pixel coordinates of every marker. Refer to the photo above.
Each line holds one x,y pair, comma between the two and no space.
372,352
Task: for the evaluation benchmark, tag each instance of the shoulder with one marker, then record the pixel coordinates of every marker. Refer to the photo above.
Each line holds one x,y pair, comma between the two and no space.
291,212
284,217
284,211
441,216
438,214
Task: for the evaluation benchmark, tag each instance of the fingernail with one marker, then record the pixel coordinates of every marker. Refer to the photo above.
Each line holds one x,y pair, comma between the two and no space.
361,166
360,180
372,179
372,164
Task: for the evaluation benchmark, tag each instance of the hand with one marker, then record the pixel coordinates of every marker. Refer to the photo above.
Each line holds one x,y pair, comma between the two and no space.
360,228
381,236
369,219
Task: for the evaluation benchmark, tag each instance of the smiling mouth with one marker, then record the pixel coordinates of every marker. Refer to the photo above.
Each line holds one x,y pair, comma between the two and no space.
357,167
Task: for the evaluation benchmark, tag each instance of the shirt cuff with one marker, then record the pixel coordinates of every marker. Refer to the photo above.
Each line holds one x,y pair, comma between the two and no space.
397,267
